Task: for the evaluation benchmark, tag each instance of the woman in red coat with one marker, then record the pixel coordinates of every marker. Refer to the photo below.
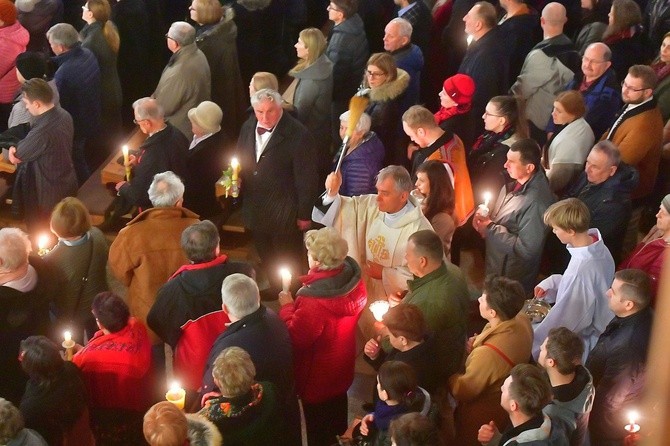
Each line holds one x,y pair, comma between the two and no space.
322,324
649,253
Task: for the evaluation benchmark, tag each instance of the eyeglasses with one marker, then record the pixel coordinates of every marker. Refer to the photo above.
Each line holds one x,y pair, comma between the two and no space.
374,74
486,113
592,61
333,8
137,121
85,8
168,37
625,86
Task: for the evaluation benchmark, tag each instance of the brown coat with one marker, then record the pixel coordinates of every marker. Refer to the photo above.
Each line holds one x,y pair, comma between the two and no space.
477,391
639,139
146,253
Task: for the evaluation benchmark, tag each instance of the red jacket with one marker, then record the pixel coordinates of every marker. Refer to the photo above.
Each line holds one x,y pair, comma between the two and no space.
322,324
115,368
649,258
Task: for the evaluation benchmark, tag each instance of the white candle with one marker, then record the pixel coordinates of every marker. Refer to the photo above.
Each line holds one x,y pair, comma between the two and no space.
484,207
285,279
487,198
68,345
632,425
379,308
42,244
67,336
124,149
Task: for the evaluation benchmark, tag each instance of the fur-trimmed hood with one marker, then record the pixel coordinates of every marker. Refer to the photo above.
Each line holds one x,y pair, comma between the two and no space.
202,432
390,90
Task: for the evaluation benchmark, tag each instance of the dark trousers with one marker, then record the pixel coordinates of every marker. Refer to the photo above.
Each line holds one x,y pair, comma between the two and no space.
326,420
280,250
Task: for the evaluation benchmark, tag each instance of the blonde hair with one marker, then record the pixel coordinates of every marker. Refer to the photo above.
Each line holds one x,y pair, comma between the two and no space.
570,214
101,13
70,218
327,247
165,425
208,11
233,372
315,43
263,79
386,63
417,116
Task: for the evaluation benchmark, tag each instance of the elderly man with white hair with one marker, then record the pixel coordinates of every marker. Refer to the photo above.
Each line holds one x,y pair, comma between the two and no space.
26,289
148,250
186,80
261,333
408,56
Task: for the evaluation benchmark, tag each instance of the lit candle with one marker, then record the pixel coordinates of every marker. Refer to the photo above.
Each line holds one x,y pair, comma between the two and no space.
126,161
285,279
235,164
633,429
379,308
43,245
484,208
68,345
176,395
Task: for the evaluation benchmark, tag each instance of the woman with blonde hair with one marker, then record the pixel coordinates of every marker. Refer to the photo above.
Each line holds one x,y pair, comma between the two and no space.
312,89
166,425
101,37
570,143
322,324
81,253
216,37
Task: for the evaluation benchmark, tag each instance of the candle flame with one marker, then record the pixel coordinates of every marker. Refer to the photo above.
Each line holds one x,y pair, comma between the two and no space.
175,387
234,163
125,149
285,273
379,308
487,198
43,241
67,336
633,416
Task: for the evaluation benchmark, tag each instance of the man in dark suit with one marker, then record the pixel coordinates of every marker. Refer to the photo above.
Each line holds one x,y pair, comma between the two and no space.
279,182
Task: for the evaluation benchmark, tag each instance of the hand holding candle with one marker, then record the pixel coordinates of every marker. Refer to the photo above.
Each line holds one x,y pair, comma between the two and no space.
484,208
285,279
176,395
235,164
68,345
43,245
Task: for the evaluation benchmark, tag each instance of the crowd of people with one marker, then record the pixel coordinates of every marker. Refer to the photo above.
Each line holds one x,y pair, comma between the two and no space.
555,116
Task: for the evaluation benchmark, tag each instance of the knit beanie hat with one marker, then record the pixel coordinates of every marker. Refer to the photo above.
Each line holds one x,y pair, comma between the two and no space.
207,115
460,88
31,65
7,12
666,203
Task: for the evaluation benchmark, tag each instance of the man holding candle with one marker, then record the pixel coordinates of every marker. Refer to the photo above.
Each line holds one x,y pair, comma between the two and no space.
376,227
519,208
279,182
618,360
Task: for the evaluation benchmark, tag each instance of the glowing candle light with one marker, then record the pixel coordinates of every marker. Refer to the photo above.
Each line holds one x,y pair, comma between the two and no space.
632,425
285,279
235,164
43,245
484,208
379,308
68,344
176,395
126,158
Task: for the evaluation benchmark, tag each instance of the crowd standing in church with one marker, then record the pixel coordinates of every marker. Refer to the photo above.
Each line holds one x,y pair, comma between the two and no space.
544,160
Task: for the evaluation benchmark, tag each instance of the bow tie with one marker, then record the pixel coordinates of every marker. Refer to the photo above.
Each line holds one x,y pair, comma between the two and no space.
262,131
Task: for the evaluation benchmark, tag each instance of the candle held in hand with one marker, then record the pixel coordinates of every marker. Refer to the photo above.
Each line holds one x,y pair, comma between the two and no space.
632,425
235,164
379,308
68,345
176,395
285,279
484,208
43,245
126,158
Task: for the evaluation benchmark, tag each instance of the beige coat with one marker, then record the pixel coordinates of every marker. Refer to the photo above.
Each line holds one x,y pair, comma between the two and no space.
477,391
146,253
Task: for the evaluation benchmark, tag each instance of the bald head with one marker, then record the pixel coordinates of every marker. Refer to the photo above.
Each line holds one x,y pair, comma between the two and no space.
596,60
554,17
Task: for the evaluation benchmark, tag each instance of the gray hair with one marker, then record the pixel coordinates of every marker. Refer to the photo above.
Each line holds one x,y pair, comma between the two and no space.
400,176
610,150
364,122
182,33
240,295
266,94
11,421
607,52
63,34
166,190
199,241
404,27
14,249
148,108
